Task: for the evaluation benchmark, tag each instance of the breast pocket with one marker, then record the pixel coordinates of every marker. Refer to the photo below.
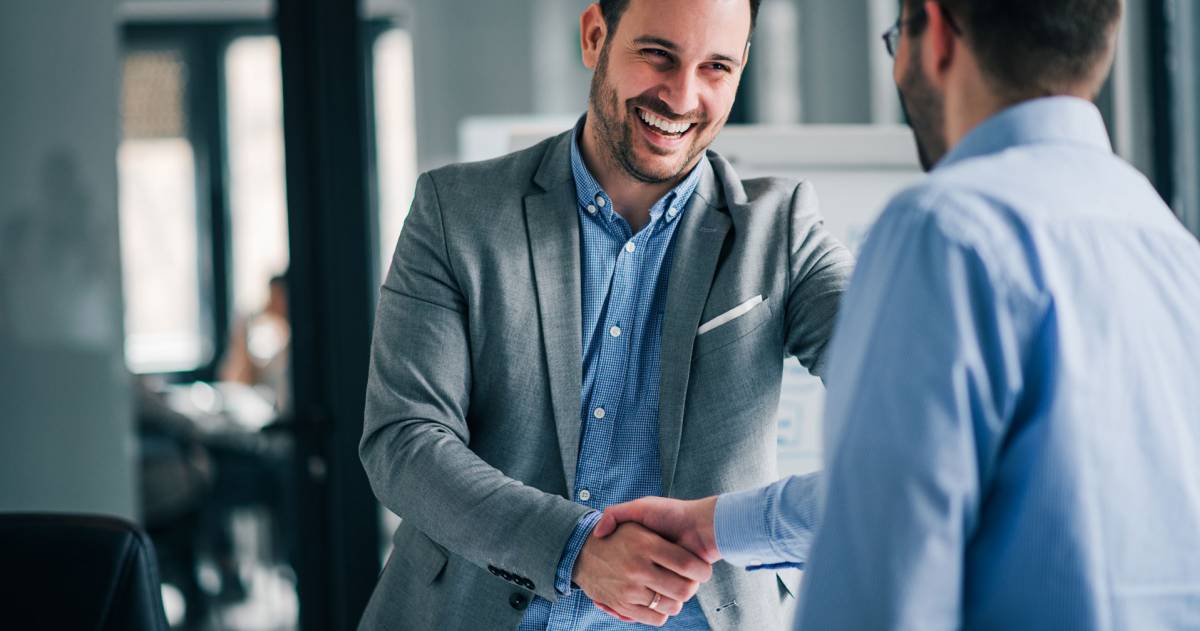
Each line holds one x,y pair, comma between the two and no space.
729,331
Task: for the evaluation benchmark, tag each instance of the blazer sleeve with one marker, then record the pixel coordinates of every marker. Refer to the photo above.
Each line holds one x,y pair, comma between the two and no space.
415,444
819,273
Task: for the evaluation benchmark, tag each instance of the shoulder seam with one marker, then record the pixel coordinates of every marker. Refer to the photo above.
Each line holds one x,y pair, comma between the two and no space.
437,200
926,203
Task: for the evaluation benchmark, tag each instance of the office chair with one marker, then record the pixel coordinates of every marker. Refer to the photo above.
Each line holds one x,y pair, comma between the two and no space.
67,572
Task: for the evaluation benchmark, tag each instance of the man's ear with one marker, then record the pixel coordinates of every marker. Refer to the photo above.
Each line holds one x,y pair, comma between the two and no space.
593,32
940,43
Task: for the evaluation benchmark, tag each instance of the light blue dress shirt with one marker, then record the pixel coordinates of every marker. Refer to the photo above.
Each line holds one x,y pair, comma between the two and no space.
1013,414
624,285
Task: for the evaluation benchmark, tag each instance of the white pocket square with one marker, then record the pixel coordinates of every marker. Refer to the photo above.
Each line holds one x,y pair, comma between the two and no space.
731,315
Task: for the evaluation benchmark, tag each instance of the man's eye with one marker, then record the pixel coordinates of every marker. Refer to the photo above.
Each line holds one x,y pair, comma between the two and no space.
720,67
655,52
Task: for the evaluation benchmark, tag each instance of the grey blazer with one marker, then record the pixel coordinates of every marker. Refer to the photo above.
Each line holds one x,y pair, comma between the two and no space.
472,416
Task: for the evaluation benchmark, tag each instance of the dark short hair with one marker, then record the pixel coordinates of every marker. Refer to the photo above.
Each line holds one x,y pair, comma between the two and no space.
1035,46
614,9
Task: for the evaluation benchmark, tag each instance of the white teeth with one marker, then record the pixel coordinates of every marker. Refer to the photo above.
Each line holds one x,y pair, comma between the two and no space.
662,124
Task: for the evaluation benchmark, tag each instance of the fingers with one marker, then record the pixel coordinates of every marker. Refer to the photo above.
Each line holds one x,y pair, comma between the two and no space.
616,515
613,612
664,609
682,562
606,526
669,585
629,511
664,604
668,606
673,571
642,614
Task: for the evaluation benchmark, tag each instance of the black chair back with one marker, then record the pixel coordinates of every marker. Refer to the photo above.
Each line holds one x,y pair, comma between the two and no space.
68,572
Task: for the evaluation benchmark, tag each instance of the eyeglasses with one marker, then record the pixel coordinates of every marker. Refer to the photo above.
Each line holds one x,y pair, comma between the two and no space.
891,37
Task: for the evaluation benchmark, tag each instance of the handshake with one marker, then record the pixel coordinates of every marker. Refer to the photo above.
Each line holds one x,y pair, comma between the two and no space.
646,558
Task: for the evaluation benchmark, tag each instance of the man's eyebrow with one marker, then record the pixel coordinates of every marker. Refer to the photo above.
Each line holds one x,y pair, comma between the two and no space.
651,40
656,41
729,59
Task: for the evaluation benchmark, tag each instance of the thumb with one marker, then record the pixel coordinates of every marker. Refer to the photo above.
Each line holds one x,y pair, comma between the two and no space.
605,526
615,516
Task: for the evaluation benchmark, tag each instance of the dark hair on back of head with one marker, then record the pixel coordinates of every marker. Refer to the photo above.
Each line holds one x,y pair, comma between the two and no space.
1036,47
614,9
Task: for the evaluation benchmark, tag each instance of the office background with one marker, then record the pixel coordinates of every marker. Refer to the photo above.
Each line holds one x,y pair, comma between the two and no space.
162,160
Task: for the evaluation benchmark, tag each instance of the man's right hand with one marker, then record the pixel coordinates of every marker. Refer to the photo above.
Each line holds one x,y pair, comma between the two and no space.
688,523
624,570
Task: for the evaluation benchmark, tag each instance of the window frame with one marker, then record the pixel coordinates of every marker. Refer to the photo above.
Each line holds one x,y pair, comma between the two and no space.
203,45
146,39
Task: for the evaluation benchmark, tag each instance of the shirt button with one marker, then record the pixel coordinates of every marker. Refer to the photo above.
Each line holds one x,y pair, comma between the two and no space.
615,331
630,247
672,211
585,495
591,209
601,202
598,413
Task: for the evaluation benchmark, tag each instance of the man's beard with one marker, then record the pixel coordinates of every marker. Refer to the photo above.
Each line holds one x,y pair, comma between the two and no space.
925,112
616,135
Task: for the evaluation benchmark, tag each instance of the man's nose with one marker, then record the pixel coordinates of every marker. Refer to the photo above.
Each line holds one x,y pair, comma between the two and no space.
681,92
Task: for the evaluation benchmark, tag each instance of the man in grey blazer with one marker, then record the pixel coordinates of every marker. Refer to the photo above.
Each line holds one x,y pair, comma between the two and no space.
601,317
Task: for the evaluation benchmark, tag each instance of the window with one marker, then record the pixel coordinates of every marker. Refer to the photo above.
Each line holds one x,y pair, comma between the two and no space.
159,216
391,74
1186,38
395,135
257,199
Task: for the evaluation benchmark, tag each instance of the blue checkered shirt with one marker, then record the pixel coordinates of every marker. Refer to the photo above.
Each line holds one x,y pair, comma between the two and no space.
624,297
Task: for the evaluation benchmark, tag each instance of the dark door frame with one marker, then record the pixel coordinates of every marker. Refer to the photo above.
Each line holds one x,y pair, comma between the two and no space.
332,282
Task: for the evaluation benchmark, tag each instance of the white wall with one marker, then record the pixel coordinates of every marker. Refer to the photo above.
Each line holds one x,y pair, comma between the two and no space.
836,63
472,58
521,57
65,413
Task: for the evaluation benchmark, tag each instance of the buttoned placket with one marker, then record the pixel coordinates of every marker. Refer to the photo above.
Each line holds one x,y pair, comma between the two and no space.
629,250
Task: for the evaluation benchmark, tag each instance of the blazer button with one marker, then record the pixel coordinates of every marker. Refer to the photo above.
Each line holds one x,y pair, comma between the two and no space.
518,601
494,570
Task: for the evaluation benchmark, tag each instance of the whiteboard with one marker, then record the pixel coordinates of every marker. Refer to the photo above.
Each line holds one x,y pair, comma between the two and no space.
855,169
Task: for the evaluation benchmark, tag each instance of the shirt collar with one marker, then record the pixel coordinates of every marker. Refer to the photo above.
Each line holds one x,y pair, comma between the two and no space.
1057,119
593,199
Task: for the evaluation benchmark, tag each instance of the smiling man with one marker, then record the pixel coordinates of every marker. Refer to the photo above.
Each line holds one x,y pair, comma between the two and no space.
596,319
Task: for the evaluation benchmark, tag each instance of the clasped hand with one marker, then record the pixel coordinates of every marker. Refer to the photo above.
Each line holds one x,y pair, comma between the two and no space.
652,551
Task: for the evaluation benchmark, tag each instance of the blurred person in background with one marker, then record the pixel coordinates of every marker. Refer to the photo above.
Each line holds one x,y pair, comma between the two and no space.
258,353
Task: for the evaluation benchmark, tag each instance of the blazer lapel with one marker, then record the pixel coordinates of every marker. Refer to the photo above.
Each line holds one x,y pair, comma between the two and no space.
699,238
552,223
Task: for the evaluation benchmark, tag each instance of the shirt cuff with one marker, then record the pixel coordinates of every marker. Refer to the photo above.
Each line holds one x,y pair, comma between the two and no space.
566,565
741,524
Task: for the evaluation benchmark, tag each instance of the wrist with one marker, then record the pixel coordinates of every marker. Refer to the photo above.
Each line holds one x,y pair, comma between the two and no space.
568,567
581,561
706,528
740,521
